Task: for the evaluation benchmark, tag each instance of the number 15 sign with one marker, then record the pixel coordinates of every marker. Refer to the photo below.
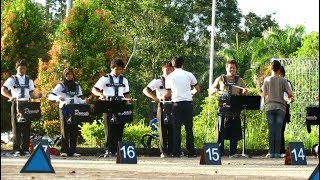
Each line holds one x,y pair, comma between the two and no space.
210,154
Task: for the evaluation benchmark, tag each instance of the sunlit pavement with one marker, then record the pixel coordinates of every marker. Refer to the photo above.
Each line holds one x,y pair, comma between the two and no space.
91,167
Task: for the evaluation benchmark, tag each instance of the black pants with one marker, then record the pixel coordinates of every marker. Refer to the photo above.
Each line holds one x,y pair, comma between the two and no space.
282,146
165,131
69,133
182,113
229,128
20,130
113,133
286,120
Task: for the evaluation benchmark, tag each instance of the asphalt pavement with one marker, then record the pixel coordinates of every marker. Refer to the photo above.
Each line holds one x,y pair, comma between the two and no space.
94,167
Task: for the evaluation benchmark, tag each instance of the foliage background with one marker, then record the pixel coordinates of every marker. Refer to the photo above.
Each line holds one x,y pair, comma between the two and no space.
97,31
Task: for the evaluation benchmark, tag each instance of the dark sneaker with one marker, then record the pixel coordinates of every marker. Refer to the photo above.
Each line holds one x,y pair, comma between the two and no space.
277,155
108,154
174,156
26,153
192,155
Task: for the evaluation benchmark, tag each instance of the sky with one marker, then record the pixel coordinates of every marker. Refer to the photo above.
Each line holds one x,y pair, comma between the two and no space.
288,12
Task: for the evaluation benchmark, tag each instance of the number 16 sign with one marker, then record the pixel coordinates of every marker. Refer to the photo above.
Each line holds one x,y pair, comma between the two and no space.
126,153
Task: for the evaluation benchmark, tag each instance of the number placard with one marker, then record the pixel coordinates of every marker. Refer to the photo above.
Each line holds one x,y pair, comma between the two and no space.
210,154
296,154
126,153
44,143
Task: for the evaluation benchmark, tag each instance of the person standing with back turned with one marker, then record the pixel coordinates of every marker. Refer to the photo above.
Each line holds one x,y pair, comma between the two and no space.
287,116
273,89
178,88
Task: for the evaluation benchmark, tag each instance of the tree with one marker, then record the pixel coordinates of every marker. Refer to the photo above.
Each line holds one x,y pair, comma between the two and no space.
255,25
24,34
309,47
85,40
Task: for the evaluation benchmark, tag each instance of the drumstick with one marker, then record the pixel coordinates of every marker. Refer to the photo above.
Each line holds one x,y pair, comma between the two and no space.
238,87
163,101
128,99
20,99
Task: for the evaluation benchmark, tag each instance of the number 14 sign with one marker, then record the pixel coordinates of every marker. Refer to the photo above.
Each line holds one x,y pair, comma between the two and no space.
210,154
296,154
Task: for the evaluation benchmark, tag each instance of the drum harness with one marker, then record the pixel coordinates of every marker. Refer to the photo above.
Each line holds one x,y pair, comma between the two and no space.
71,94
166,119
228,96
116,96
22,87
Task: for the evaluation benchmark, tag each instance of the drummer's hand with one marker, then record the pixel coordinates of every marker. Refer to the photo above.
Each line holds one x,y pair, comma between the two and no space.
39,95
213,90
102,97
61,99
86,100
156,100
245,91
12,99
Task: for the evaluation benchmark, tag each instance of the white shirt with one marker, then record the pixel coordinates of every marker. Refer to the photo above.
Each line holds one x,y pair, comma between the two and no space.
16,92
57,93
158,86
101,84
285,94
180,83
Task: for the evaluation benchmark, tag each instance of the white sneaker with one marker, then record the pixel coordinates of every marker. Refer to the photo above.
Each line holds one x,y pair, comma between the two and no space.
63,155
76,155
268,155
282,155
17,154
162,155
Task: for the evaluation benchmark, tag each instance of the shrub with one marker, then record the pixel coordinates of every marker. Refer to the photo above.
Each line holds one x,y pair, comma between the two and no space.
93,133
134,132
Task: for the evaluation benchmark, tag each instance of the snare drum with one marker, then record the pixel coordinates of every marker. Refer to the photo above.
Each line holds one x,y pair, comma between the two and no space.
120,112
28,110
79,112
166,112
101,107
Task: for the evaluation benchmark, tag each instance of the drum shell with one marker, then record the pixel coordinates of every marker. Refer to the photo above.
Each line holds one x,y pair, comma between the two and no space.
120,112
79,112
29,110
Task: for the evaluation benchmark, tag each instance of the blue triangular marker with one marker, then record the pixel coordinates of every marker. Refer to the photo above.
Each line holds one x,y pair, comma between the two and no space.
38,162
315,174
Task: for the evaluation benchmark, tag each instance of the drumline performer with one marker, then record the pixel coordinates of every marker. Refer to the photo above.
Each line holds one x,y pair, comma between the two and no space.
163,110
229,123
68,92
20,87
114,88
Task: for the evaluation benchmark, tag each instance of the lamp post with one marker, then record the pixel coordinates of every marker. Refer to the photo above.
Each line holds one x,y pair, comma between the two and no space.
212,43
69,6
